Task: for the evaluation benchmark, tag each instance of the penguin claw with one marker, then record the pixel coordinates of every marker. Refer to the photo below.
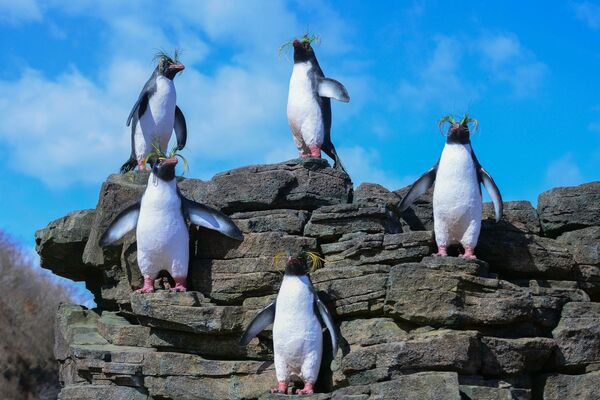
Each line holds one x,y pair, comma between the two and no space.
145,290
308,389
442,252
178,288
469,254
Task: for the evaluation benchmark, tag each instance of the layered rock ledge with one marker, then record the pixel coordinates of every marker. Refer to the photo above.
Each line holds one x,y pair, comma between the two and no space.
522,322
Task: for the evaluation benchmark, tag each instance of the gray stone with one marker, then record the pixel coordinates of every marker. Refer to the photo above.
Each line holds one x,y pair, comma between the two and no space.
331,222
584,245
578,335
419,386
419,216
580,387
288,221
518,216
101,392
515,356
296,184
437,350
188,312
61,244
568,208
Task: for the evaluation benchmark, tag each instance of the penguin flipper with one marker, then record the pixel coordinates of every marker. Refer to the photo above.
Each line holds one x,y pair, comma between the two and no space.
332,89
263,319
123,223
494,192
180,128
328,320
130,164
419,187
208,217
142,102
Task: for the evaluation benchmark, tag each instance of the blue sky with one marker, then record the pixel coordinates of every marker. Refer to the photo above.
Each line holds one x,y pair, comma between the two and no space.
72,70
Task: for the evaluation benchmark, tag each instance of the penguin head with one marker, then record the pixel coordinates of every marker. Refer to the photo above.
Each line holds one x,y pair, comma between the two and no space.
458,132
301,264
164,168
167,66
303,50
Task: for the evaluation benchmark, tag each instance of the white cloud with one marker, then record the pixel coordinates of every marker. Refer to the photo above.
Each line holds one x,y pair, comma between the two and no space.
563,172
15,12
439,81
71,128
589,13
508,61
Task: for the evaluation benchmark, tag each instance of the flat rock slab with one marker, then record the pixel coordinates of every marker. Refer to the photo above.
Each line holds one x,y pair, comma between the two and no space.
186,312
580,387
101,392
578,335
568,208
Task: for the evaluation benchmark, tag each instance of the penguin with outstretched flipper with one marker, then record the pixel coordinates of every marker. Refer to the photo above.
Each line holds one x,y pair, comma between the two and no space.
457,202
161,228
297,332
309,103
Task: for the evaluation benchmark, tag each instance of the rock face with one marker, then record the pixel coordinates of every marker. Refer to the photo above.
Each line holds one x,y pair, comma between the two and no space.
520,323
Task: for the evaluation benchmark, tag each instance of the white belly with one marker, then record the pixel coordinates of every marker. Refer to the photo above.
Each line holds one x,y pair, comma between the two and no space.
303,110
162,234
297,334
156,124
457,203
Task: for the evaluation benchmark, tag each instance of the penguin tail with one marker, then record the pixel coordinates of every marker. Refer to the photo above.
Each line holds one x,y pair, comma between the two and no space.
129,165
337,162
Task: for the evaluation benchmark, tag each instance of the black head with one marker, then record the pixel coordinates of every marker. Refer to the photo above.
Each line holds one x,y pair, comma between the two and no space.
458,132
167,66
164,168
303,50
296,266
302,264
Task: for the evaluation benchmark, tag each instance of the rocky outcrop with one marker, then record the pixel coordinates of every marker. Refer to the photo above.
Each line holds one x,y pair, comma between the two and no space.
519,323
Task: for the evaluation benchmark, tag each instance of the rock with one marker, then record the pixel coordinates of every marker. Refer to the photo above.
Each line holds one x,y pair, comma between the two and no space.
360,248
372,193
518,216
584,245
188,312
297,184
437,350
580,387
289,221
61,244
368,332
578,335
492,393
419,386
568,208
419,216
358,290
515,356
515,254
101,392
331,222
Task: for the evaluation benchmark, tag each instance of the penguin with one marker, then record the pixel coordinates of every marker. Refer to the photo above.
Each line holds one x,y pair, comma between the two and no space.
297,333
155,114
309,103
161,229
457,203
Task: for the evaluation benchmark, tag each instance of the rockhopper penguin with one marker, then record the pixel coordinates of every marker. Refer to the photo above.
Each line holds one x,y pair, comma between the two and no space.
457,204
161,229
309,104
297,332
155,114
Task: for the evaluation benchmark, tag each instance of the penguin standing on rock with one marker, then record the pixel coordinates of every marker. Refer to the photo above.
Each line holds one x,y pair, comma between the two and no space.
297,332
161,228
309,104
457,203
155,114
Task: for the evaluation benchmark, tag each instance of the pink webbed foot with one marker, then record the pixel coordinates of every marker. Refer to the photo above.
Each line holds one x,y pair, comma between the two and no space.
308,388
148,285
281,387
315,151
142,166
442,251
180,285
469,253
